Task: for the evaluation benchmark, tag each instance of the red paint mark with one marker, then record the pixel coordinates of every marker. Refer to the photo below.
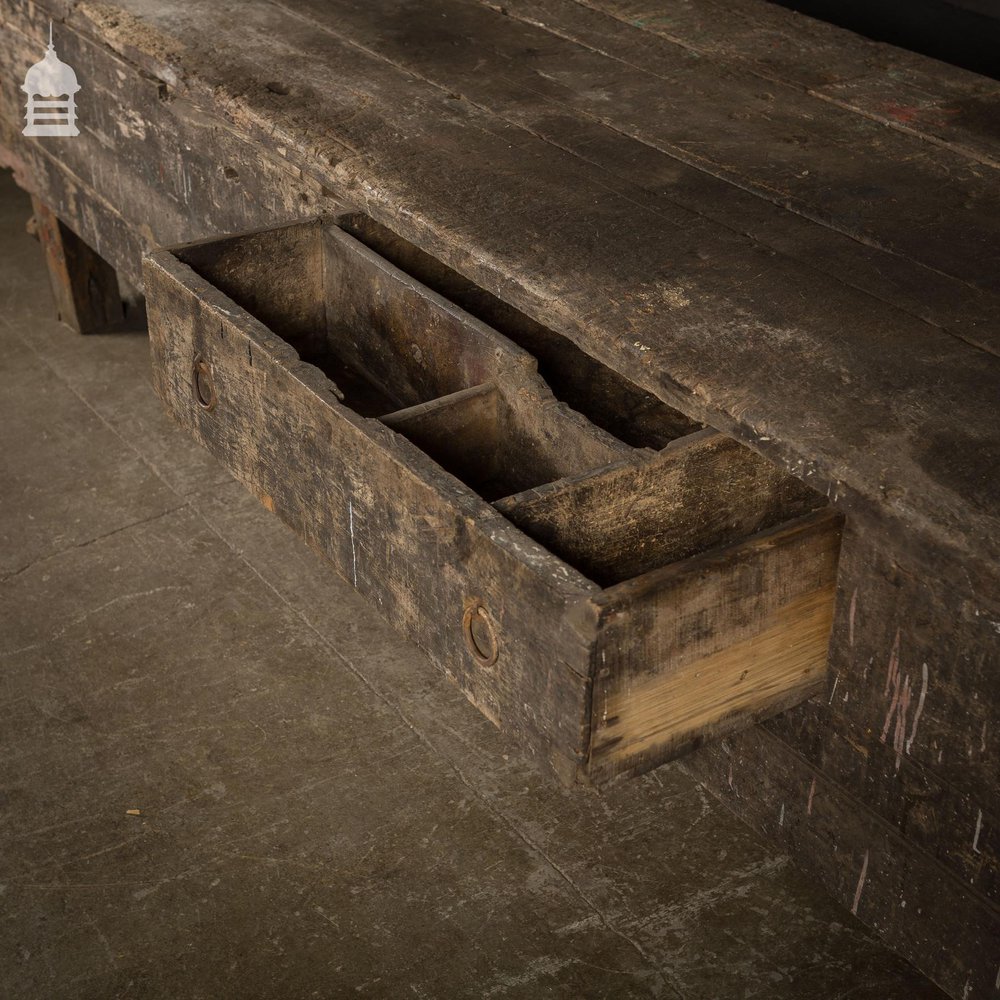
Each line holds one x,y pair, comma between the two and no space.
903,113
909,114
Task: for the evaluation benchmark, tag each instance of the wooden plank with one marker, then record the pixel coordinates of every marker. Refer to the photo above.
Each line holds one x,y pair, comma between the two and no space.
744,628
906,91
909,716
701,491
84,284
957,826
836,168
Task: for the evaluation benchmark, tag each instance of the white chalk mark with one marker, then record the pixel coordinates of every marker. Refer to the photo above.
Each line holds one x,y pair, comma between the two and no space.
833,690
920,709
892,708
893,672
861,885
979,830
781,815
354,551
850,616
900,733
812,792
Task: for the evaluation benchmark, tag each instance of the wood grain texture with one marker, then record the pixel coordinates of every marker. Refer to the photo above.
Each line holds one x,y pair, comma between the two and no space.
701,491
904,894
940,103
754,393
689,652
502,437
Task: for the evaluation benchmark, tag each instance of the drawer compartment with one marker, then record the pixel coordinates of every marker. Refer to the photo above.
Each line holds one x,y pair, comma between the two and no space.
500,440
613,588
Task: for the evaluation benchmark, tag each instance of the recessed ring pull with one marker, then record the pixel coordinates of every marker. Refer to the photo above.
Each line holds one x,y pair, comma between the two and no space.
201,380
480,633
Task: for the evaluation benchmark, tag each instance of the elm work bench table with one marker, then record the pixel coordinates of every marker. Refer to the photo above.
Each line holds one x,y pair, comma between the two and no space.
778,228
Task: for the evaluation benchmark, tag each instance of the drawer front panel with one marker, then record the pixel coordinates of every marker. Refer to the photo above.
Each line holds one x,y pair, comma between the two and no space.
713,644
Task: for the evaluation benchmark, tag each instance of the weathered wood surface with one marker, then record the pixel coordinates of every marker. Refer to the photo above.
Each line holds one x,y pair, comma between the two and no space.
742,631
857,443
843,322
702,491
506,439
726,297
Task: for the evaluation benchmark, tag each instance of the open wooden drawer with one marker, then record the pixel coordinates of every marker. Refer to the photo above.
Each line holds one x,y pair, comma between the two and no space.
611,603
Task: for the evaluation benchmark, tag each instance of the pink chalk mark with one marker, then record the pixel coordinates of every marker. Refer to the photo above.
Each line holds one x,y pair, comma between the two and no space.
893,664
920,709
812,792
900,734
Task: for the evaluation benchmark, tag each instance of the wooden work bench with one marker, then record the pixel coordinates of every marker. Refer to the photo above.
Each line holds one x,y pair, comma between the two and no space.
782,230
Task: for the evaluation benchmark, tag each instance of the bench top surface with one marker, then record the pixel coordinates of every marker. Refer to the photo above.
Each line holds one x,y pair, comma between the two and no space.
786,230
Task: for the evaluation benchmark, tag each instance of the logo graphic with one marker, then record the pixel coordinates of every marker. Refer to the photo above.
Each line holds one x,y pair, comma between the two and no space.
51,87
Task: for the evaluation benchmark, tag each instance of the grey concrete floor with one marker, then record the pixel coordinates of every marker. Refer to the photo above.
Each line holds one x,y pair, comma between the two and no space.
222,775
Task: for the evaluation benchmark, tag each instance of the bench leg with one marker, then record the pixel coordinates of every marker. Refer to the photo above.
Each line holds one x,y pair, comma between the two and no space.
84,284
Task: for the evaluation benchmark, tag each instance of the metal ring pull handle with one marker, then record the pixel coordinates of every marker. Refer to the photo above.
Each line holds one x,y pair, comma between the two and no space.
480,634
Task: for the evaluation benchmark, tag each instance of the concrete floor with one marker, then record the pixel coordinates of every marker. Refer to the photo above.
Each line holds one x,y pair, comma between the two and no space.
317,812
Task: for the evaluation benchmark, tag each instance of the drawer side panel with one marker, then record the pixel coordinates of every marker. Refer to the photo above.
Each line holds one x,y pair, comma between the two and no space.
418,545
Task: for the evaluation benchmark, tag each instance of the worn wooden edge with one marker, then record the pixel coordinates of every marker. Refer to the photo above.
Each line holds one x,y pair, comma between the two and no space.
637,457
718,642
415,415
332,228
